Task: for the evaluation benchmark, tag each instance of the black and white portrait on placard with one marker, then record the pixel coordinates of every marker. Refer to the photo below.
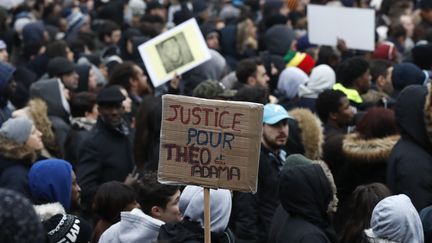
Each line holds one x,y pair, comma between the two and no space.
174,52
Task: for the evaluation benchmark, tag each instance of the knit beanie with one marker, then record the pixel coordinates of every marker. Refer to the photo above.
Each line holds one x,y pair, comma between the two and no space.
18,219
75,19
405,74
67,228
385,50
421,56
301,60
59,66
17,129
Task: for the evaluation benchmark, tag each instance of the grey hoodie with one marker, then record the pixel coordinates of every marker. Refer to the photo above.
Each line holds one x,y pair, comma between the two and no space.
396,220
51,91
192,205
134,227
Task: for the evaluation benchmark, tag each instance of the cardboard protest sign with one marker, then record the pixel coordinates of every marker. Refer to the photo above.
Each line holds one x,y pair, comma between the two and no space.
355,26
210,143
174,52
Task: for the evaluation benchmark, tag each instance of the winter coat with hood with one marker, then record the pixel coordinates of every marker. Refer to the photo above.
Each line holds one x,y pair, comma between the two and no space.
191,205
410,162
51,91
365,161
106,154
15,162
305,193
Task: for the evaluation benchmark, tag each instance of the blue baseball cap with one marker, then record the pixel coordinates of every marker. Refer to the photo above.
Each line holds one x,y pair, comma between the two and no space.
274,113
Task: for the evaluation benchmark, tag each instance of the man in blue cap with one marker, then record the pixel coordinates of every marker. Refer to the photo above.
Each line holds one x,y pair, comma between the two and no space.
252,213
7,89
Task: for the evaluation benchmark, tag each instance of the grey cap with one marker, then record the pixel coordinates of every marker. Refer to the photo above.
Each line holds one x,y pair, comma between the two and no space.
17,129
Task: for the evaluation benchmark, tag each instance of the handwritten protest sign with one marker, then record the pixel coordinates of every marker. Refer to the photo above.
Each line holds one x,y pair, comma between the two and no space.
210,143
355,26
174,52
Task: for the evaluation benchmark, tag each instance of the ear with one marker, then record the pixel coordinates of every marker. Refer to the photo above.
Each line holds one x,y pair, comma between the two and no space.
251,81
380,81
132,82
333,116
155,212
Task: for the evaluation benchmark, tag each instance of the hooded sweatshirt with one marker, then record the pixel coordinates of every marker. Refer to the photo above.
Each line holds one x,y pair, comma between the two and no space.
51,91
305,193
410,161
192,207
134,227
322,77
289,81
50,181
394,218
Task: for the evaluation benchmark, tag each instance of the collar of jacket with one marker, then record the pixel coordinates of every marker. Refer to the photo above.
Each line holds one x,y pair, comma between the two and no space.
352,94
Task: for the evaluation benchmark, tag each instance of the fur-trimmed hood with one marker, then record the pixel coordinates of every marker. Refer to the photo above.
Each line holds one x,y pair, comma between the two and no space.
362,151
11,150
312,136
46,211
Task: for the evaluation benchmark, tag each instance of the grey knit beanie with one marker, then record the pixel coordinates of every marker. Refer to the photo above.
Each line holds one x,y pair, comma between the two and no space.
17,129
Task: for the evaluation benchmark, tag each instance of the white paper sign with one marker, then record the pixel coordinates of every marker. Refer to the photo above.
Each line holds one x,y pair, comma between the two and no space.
355,26
174,52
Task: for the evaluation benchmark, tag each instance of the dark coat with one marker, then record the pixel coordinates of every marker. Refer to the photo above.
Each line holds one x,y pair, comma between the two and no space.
80,129
252,213
305,193
410,163
191,232
365,161
15,162
104,155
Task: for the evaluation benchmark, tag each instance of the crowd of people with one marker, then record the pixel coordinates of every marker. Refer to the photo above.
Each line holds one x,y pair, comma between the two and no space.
346,147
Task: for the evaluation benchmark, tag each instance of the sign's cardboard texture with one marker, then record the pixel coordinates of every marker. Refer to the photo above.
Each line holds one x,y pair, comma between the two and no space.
210,143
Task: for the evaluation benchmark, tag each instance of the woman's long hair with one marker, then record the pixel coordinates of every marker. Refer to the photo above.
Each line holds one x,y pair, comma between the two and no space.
363,201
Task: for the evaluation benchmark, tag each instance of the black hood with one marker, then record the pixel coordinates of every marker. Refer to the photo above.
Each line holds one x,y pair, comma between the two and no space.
305,192
409,111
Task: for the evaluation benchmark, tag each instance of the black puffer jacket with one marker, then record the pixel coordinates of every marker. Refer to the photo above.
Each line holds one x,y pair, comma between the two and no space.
305,193
410,163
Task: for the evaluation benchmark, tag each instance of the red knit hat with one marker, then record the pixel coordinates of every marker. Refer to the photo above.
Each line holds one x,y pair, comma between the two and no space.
301,60
385,50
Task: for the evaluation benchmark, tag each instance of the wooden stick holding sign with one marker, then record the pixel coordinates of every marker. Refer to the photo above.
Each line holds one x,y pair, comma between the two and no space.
207,220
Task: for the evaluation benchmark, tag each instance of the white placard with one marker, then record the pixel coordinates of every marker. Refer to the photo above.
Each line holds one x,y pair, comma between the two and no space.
355,26
174,52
